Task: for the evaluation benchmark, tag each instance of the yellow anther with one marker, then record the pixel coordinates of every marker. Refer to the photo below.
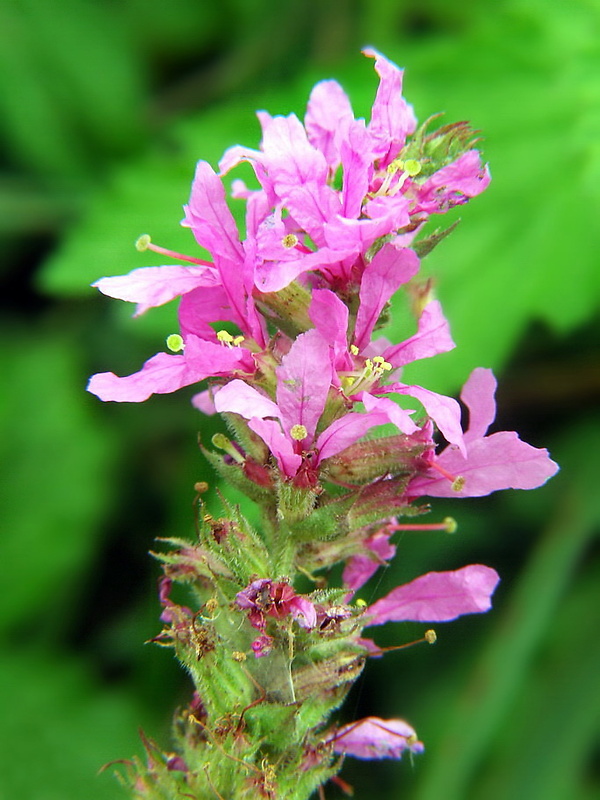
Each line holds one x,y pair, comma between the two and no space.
354,350
143,242
450,523
458,483
378,360
368,365
237,340
386,366
175,343
347,381
412,167
289,240
394,166
225,337
360,603
412,739
238,656
430,636
298,432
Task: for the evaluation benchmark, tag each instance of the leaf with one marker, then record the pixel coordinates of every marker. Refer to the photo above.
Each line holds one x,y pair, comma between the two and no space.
56,463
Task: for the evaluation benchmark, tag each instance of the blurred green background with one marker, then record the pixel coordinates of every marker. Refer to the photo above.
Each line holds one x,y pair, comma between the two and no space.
104,109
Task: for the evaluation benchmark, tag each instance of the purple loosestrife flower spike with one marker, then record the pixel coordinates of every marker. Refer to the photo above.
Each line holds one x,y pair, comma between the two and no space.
281,327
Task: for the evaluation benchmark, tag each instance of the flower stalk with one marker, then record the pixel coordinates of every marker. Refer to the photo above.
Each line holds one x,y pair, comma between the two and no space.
305,383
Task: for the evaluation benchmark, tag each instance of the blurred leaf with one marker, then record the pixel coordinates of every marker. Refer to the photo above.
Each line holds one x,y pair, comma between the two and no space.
55,470
58,728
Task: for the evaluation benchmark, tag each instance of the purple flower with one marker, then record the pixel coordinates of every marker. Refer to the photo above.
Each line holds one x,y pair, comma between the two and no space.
437,597
489,463
373,737
265,598
326,230
288,426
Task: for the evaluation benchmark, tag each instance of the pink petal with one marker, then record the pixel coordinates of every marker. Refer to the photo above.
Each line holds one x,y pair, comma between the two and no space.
239,398
346,430
161,374
438,596
373,737
153,286
303,611
392,118
433,337
357,160
361,567
328,107
395,414
478,395
329,315
303,382
201,307
444,411
204,402
499,461
209,217
282,448
390,268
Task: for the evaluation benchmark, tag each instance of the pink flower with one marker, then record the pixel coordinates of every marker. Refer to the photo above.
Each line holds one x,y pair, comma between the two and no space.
265,598
489,463
373,737
288,426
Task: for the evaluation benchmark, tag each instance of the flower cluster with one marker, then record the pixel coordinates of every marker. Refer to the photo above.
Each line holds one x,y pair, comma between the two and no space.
284,323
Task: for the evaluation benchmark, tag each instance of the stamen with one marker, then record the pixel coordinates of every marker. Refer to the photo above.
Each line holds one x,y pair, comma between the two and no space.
145,243
175,343
224,337
458,481
354,350
412,167
448,524
289,240
429,636
298,432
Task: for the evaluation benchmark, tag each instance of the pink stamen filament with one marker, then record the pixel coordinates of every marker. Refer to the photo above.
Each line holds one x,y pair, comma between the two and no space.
444,472
415,526
177,256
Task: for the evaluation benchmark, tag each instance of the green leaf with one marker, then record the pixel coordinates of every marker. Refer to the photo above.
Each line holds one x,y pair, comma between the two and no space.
58,729
55,471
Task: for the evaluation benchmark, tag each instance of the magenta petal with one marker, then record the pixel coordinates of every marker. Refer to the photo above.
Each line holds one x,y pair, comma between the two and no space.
303,382
395,414
373,737
209,217
432,337
438,596
478,395
328,107
282,448
346,430
303,611
392,118
444,411
239,398
330,317
357,162
390,268
499,461
153,286
161,374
